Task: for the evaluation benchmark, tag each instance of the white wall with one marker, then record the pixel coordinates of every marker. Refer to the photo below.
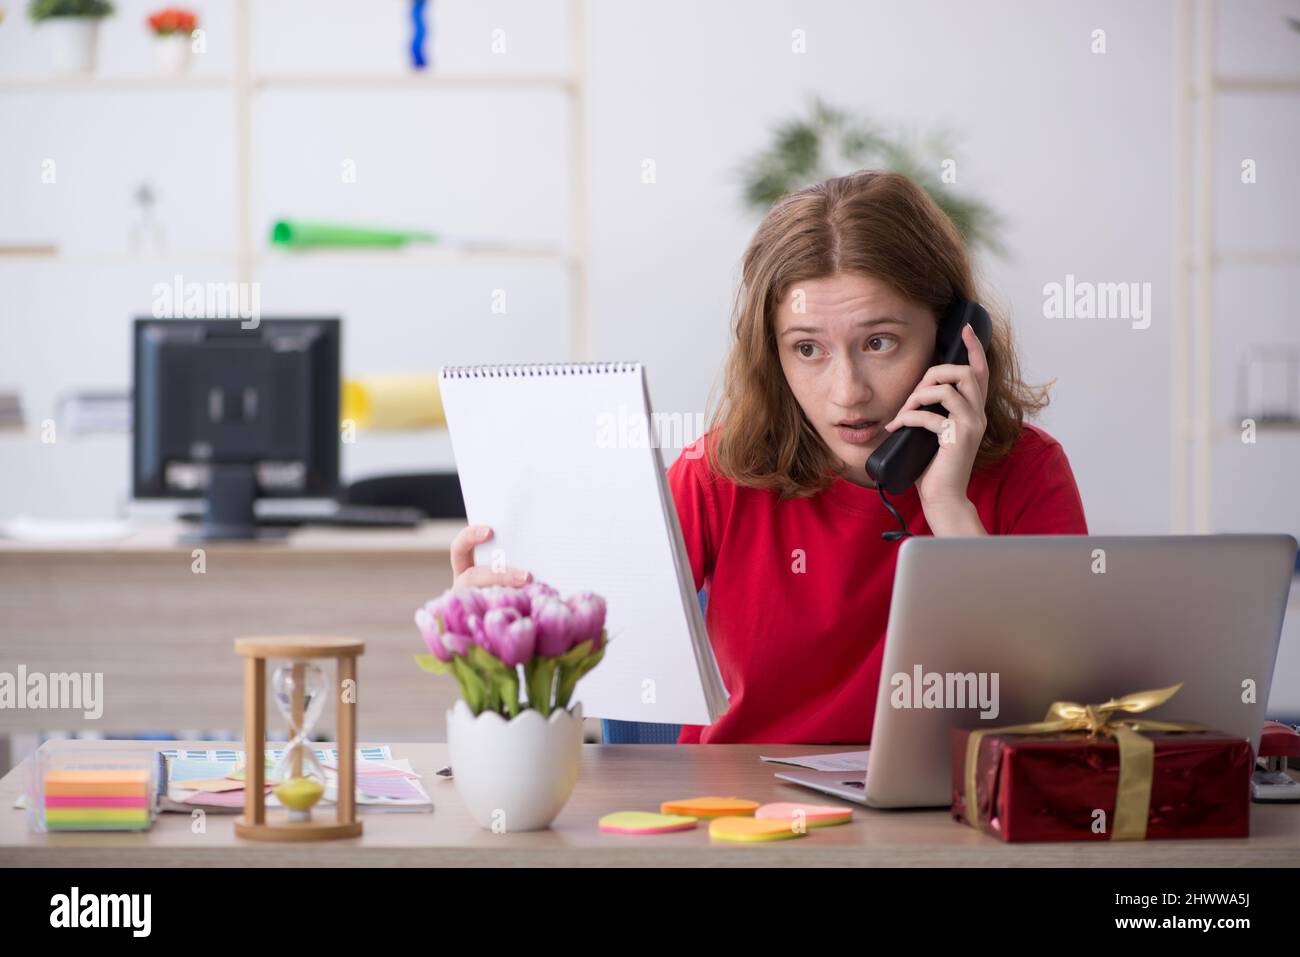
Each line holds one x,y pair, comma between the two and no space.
467,164
1074,149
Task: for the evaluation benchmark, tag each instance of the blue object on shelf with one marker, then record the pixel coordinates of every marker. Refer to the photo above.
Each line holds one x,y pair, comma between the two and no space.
645,732
418,33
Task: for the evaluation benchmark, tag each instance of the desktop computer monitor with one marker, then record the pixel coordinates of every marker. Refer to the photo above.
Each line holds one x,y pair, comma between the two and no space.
230,415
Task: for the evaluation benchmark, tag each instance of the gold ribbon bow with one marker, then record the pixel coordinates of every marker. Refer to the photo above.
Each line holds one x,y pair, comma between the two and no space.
1136,753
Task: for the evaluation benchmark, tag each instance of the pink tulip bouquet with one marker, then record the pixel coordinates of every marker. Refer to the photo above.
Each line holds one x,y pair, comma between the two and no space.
484,635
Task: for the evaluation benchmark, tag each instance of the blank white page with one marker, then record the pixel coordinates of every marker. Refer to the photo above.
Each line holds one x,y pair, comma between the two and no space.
585,506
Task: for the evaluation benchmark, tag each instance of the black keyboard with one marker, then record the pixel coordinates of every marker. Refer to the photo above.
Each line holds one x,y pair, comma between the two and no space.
345,516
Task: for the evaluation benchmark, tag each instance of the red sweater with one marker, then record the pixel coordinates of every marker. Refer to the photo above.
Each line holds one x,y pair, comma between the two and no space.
800,651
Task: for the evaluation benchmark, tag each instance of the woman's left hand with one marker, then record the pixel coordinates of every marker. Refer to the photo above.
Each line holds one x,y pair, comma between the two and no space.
961,389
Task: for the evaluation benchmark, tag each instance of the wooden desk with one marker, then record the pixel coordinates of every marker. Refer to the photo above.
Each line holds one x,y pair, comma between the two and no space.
628,777
163,634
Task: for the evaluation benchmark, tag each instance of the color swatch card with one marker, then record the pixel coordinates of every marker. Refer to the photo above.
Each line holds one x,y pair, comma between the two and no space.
383,783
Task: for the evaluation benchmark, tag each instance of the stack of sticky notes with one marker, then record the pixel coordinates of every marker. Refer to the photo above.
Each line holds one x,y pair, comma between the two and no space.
97,799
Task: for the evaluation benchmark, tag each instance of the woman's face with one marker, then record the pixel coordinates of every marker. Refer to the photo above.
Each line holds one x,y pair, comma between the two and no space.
852,350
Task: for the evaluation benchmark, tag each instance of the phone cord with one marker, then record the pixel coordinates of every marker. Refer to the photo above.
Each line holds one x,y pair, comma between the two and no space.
902,531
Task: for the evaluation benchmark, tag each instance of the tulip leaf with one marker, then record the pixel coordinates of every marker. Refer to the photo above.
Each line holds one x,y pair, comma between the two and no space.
564,689
530,671
494,671
591,662
432,664
539,684
576,653
509,692
502,680
472,687
484,660
569,676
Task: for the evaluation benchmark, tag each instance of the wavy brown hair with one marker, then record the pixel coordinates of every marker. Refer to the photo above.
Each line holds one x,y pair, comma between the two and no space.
875,224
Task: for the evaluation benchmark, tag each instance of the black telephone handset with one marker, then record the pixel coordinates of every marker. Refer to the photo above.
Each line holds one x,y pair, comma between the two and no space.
899,461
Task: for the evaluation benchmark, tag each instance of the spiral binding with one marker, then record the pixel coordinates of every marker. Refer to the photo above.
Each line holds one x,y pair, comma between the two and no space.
536,369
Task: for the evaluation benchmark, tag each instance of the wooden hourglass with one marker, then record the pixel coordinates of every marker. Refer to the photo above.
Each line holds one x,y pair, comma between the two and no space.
301,691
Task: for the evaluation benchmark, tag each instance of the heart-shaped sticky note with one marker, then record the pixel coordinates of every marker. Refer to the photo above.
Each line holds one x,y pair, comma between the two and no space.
645,822
751,829
710,807
812,815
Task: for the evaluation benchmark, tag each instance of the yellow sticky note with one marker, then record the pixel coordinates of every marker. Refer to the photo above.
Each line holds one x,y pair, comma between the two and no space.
96,815
645,822
752,829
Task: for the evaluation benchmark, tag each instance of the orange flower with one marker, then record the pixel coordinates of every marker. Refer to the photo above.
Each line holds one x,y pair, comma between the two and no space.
173,20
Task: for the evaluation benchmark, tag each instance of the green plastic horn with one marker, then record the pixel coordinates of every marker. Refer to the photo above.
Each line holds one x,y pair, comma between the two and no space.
304,234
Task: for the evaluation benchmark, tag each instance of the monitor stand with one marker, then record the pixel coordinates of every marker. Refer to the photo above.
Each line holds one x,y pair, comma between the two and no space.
232,489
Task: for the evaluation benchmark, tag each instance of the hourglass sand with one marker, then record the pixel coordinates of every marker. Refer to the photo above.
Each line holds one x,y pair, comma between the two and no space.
300,689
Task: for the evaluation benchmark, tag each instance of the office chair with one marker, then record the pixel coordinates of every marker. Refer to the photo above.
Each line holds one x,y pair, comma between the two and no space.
645,732
436,494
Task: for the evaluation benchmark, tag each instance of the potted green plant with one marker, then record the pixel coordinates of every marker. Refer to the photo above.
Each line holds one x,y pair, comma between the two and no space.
71,28
826,142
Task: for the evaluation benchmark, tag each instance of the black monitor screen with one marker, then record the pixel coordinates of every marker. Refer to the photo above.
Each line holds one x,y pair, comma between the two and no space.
210,392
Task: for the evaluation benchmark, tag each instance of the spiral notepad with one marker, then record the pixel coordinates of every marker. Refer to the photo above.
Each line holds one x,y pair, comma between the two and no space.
560,461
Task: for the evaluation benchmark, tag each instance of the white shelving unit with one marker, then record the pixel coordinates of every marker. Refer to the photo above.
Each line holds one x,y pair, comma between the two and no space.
1195,431
245,86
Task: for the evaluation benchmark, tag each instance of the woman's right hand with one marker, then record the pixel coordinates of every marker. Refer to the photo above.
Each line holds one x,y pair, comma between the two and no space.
469,575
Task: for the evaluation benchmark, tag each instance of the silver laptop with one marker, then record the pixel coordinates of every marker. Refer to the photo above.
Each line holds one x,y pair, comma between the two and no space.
990,631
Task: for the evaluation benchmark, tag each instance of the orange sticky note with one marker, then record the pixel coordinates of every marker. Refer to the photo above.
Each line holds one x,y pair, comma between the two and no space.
812,815
104,775
710,807
645,822
114,782
752,829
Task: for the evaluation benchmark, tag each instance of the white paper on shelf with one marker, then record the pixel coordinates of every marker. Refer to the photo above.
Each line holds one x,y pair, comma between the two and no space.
53,531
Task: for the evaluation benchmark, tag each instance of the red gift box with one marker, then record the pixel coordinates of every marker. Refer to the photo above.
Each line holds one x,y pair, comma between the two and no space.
1050,787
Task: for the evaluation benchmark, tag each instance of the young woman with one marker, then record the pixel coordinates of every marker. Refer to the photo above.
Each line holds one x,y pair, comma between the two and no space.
835,326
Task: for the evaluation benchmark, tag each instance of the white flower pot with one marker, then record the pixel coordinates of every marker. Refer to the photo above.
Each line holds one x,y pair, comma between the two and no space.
72,42
173,53
514,775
